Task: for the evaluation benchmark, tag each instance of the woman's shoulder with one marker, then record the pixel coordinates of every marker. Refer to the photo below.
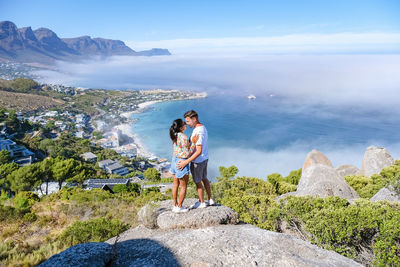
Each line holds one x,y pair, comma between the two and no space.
182,135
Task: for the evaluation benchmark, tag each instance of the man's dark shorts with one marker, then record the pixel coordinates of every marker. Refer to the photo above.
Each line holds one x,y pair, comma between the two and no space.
199,170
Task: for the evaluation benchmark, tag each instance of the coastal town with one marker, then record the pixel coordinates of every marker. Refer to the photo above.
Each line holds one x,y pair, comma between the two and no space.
104,122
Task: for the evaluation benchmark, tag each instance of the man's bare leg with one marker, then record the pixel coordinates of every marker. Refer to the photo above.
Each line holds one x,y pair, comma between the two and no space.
200,191
208,187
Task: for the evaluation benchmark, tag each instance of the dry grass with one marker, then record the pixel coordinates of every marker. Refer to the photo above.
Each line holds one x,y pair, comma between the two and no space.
27,102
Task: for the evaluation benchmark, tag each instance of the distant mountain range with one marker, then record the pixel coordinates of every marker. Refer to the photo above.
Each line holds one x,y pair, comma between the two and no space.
44,46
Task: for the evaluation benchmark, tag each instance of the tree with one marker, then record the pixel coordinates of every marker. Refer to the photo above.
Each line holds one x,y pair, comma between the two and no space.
84,172
5,170
47,172
25,178
12,121
152,175
4,157
65,169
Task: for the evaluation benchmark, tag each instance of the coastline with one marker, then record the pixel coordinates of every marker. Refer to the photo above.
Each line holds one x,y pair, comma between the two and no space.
126,129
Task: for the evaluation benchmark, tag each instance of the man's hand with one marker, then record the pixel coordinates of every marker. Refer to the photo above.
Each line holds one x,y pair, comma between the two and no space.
181,164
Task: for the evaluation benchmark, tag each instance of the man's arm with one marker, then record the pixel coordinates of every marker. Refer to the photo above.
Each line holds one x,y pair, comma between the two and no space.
183,163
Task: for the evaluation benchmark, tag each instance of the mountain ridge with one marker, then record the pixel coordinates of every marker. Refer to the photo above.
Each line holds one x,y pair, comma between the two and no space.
44,46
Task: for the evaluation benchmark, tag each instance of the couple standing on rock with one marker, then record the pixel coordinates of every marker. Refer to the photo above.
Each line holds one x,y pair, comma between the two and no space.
193,152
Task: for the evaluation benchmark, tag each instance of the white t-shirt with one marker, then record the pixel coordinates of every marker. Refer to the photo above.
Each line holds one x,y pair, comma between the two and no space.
201,131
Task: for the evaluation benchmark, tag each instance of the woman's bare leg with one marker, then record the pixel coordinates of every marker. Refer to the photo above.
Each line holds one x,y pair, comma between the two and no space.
175,190
183,185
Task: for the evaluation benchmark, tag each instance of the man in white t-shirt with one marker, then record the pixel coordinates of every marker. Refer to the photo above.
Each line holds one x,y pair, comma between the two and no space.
199,159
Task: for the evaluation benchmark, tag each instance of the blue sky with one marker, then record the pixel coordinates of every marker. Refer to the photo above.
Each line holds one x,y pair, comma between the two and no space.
143,21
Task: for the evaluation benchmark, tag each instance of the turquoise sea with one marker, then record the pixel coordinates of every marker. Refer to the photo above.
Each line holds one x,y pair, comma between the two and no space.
270,134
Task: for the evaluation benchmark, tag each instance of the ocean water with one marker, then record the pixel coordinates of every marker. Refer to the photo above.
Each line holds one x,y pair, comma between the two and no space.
270,134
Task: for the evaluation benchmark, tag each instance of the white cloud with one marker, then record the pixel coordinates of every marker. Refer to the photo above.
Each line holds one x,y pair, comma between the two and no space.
294,43
255,163
369,81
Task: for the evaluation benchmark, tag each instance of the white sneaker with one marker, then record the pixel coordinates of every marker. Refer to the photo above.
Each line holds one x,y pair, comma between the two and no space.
199,205
175,209
183,209
203,205
211,202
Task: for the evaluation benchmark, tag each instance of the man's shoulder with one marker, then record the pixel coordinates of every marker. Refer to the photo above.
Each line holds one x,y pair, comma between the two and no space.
200,129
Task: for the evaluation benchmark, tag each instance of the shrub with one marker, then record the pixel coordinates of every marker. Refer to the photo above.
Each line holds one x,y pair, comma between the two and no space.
286,184
8,213
152,174
147,191
120,188
366,187
23,201
251,198
348,229
96,230
29,217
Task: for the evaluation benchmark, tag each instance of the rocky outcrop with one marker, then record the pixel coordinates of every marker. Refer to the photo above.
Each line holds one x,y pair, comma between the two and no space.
223,245
319,178
159,215
316,157
345,170
324,181
375,159
388,194
88,254
212,242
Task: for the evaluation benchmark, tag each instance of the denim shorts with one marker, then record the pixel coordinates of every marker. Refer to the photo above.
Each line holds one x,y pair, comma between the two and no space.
177,172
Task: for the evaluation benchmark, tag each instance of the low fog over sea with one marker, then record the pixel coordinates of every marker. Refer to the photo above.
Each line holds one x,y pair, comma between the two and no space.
339,104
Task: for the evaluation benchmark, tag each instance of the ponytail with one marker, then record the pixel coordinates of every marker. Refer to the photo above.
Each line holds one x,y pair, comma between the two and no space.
175,129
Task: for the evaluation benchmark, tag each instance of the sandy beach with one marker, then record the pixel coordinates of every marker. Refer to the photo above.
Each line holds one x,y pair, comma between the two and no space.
126,129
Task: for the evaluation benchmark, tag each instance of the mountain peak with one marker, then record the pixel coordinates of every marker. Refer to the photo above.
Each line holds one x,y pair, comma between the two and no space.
44,46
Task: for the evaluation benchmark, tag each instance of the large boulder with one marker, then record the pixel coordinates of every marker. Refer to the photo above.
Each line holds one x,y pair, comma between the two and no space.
345,170
375,159
388,194
223,245
316,157
82,255
160,215
324,181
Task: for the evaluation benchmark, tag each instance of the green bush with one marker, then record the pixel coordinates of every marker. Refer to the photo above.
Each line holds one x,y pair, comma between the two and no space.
119,188
131,187
336,225
29,217
286,184
96,230
147,191
23,201
8,213
367,187
251,198
152,174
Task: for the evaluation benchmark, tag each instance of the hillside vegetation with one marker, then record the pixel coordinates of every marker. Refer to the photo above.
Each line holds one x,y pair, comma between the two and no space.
33,229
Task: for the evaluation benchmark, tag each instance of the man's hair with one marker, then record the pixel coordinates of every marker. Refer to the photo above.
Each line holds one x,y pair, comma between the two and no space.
191,114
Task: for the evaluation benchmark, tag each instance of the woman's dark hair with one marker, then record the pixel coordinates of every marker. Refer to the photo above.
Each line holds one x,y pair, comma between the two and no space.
175,129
